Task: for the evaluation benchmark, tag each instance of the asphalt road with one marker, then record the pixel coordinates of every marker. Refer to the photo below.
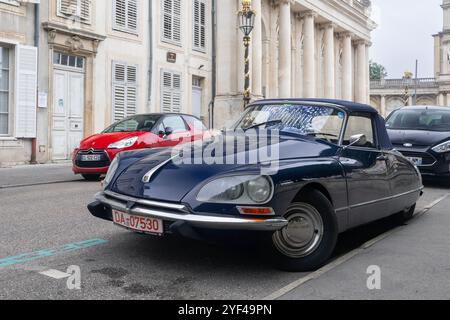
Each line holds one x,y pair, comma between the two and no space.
45,227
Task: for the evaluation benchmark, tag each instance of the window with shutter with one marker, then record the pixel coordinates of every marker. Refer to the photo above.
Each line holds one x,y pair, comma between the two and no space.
125,90
79,9
125,15
199,25
171,21
4,91
26,95
171,93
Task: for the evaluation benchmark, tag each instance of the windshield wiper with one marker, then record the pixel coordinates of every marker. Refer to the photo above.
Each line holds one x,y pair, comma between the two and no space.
267,123
321,134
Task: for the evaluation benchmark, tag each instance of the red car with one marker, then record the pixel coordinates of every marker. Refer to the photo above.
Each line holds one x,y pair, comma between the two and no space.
93,157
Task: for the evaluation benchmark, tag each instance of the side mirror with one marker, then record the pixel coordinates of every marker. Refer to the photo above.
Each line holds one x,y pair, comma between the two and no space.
168,132
357,140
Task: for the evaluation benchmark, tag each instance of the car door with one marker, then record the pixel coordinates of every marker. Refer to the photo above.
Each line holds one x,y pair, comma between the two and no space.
179,134
366,172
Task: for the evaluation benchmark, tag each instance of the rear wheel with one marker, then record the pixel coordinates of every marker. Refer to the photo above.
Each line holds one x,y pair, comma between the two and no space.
310,237
405,215
91,177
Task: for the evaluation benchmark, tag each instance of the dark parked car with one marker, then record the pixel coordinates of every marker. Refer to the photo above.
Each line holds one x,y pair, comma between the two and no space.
336,171
422,134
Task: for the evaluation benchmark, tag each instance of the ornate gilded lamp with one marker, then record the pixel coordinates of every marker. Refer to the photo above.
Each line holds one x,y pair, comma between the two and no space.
246,24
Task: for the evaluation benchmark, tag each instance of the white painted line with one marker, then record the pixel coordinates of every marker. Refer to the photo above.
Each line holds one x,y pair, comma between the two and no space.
55,274
334,264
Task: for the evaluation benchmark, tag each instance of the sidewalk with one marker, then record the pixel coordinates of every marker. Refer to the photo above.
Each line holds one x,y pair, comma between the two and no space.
414,262
36,174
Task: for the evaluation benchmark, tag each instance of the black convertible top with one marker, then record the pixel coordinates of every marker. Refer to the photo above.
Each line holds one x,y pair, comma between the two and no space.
346,105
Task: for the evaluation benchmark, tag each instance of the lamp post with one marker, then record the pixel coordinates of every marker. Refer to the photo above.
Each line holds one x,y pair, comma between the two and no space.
246,24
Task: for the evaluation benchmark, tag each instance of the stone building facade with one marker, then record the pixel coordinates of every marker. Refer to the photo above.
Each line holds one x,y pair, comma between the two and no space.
300,48
86,64
390,94
18,79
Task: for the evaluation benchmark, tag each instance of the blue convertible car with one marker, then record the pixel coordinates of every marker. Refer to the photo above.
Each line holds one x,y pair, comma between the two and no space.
331,168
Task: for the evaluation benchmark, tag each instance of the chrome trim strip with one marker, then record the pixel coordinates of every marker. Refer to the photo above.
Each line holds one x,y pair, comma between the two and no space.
148,176
205,221
380,200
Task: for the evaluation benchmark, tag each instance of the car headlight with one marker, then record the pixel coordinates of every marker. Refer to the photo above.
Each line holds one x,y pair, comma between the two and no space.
111,172
442,148
238,190
122,144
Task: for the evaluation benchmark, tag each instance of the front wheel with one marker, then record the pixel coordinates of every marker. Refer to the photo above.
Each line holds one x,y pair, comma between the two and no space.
91,177
310,237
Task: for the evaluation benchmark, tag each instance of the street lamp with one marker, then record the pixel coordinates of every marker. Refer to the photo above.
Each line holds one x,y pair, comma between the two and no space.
246,24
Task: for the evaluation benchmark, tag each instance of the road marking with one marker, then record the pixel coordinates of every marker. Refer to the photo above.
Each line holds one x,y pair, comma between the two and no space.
14,186
334,264
46,253
55,274
432,205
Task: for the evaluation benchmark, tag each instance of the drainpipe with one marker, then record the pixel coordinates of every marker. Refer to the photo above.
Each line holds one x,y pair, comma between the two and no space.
214,68
150,67
36,44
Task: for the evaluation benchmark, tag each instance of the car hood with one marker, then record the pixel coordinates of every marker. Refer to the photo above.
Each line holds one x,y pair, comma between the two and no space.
173,181
417,137
103,140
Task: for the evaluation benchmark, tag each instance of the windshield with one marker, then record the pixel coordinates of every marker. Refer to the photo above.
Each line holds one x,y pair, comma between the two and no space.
318,121
429,120
135,123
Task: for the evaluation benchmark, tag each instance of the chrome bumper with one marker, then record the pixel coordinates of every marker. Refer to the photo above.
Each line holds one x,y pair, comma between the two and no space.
176,213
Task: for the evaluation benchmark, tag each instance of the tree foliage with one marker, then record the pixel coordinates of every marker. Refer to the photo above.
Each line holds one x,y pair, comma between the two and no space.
377,71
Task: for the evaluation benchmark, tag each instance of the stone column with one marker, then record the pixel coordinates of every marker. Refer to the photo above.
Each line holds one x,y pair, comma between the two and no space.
309,48
329,62
441,101
383,109
367,76
361,82
227,102
285,48
273,53
447,104
257,45
347,70
298,92
227,40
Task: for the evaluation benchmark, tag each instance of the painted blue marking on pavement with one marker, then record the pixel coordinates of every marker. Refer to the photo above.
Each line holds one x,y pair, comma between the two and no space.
26,257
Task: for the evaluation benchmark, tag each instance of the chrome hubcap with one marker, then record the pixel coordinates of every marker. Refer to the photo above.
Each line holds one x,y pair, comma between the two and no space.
303,234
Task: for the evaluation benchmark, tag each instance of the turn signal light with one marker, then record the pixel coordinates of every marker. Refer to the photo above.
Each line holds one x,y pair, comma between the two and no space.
256,211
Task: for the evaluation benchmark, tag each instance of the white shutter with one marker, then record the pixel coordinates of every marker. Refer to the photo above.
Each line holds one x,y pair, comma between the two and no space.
132,15
120,14
26,92
68,7
85,10
75,8
126,15
171,93
166,94
125,90
171,21
199,25
132,74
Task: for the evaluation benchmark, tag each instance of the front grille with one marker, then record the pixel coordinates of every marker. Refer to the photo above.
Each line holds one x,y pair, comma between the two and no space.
147,204
427,159
102,163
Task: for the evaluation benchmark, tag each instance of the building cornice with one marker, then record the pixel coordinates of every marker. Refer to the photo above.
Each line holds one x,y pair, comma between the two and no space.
83,34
